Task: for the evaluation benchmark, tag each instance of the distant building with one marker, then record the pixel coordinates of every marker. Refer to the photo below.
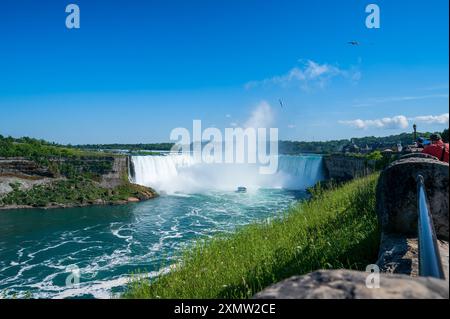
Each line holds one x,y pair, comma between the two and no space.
377,146
366,149
351,148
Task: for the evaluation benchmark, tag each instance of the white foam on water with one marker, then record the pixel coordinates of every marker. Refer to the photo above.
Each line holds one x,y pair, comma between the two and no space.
99,289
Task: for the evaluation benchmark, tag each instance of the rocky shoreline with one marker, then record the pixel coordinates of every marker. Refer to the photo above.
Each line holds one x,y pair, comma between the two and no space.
130,200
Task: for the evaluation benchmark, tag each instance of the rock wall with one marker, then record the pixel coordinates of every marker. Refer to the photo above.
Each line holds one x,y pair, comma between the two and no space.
16,166
111,170
343,167
397,195
118,173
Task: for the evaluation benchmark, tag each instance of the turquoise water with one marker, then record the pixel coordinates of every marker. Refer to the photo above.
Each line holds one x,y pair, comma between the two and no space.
39,248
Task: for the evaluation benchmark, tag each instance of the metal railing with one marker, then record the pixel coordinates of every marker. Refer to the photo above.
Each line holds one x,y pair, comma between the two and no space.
429,257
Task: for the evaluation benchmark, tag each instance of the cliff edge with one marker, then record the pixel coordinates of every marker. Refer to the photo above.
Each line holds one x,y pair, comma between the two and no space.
67,182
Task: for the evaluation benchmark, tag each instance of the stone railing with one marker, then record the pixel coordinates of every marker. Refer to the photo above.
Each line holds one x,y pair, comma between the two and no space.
397,211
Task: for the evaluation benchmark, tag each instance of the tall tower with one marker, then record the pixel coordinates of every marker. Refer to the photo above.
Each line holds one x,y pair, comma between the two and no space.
415,132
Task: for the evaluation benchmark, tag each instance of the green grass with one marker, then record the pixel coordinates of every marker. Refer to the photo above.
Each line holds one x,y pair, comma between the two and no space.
337,228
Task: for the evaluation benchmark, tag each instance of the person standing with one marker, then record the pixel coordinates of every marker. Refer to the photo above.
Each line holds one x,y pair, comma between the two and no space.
437,148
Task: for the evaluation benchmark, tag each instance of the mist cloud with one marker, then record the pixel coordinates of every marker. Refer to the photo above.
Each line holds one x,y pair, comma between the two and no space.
262,116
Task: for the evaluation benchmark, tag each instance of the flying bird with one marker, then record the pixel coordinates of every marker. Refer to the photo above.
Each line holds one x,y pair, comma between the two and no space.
281,102
353,42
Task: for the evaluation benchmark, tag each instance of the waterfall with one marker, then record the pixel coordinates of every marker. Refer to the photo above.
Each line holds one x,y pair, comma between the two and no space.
180,173
300,172
156,171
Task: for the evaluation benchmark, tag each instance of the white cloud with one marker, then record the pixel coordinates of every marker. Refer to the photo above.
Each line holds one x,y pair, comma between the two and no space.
396,122
432,119
310,75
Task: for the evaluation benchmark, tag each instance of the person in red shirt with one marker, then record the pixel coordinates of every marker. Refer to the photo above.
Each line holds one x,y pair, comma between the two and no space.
437,148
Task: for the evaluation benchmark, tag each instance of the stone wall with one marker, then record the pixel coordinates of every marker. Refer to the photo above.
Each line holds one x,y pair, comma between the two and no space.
342,167
397,212
397,195
17,166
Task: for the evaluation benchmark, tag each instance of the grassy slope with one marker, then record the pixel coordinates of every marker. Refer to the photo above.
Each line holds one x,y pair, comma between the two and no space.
336,229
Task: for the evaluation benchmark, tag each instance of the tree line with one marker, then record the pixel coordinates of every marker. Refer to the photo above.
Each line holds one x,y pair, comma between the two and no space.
34,148
374,143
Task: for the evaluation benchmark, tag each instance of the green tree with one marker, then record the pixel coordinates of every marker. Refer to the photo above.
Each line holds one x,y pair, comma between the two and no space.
375,156
444,135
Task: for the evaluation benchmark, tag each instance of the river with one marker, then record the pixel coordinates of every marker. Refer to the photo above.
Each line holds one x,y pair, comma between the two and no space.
42,250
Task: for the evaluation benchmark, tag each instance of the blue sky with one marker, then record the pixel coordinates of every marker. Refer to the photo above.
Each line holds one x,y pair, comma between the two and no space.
137,69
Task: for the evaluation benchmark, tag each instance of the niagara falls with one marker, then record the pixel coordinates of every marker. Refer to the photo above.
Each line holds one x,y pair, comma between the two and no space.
223,159
196,202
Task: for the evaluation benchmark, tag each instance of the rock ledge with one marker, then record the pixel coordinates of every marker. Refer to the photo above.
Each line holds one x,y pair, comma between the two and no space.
347,284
